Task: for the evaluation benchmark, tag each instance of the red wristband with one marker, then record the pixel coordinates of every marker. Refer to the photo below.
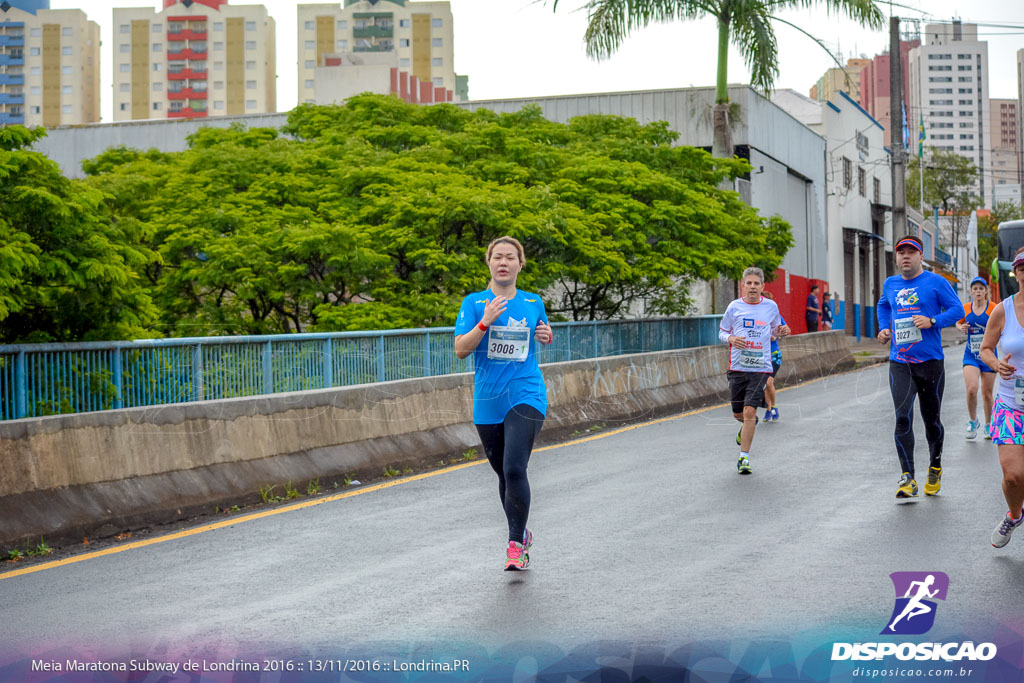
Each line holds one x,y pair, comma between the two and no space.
482,327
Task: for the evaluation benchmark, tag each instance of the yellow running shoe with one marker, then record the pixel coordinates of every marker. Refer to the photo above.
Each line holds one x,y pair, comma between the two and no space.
934,483
907,488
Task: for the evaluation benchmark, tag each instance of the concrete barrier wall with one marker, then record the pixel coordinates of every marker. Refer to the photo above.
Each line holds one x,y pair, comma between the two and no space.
65,476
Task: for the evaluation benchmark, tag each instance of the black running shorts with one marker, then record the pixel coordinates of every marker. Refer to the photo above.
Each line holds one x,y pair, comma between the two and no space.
747,389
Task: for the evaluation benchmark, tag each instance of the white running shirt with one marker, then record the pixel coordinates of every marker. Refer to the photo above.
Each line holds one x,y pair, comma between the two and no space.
755,323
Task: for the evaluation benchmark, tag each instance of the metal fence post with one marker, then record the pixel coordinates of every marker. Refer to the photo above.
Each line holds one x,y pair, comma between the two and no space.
328,363
380,358
594,330
118,378
197,373
426,354
20,386
268,369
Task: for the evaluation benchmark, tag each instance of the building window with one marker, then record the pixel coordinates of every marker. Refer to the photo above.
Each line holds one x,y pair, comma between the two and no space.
158,87
250,104
125,48
158,47
218,66
218,26
66,50
158,28
847,173
877,190
124,106
342,44
439,82
437,61
862,183
966,136
67,90
251,64
310,63
125,68
35,32
157,106
310,25
965,57
218,104
218,46
310,82
65,109
67,31
34,51
218,85
67,70
156,66
965,79
35,70
310,44
176,105
250,26
404,61
34,110
36,90
342,24
437,42
403,42
250,45
436,23
967,113
125,87
250,85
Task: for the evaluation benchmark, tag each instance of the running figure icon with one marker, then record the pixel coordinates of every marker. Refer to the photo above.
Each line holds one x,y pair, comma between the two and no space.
915,607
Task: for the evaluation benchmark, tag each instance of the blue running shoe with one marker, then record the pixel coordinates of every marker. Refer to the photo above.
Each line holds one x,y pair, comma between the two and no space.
775,414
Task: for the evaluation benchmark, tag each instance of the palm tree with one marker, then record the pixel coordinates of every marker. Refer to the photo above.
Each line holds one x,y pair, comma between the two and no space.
747,24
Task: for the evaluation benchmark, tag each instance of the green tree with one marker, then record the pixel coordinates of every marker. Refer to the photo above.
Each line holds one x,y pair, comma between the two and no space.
376,215
746,24
949,181
67,271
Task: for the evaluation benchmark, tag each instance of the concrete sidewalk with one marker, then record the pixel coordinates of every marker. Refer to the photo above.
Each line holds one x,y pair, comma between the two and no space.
869,352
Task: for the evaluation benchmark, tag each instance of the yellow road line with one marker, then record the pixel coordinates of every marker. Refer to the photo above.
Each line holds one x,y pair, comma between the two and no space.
338,496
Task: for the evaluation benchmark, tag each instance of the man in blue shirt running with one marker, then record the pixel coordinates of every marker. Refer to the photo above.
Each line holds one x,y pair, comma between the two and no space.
913,309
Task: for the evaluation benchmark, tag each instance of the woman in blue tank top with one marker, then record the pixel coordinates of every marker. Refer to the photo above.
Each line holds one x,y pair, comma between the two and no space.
976,316
501,327
1006,330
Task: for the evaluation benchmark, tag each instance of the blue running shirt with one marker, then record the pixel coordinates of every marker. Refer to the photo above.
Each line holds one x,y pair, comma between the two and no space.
976,324
499,383
927,294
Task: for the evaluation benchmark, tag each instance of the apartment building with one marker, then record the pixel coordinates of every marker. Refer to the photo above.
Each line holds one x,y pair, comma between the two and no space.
411,38
837,80
875,92
949,88
49,65
1005,151
193,59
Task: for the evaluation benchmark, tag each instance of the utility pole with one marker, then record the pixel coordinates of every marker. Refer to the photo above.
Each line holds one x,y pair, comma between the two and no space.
899,157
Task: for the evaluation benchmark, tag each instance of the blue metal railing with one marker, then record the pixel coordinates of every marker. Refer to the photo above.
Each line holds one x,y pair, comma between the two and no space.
47,379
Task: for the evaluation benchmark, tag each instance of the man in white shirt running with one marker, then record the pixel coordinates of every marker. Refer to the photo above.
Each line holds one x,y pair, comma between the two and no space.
748,326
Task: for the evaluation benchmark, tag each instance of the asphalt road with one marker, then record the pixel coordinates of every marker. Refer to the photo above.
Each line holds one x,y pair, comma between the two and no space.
644,536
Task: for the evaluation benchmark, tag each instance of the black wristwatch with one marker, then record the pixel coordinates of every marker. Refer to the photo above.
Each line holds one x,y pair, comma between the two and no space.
934,321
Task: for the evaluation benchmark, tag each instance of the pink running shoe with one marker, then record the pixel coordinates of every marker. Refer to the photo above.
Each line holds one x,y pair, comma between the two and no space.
527,541
516,558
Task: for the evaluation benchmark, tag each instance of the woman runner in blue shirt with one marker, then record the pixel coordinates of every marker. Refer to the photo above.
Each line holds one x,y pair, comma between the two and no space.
499,326
976,315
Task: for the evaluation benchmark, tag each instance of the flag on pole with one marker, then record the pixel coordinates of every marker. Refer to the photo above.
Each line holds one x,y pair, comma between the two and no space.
920,138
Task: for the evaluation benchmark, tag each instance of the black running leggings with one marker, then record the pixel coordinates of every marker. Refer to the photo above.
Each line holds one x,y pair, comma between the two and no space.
925,380
508,446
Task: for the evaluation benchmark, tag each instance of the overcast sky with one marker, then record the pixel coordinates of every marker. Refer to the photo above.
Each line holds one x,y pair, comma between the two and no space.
518,48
